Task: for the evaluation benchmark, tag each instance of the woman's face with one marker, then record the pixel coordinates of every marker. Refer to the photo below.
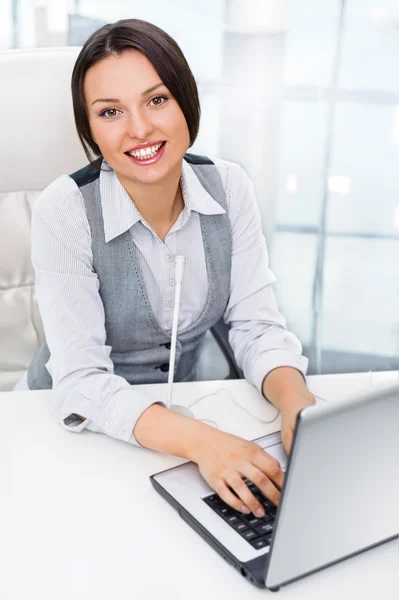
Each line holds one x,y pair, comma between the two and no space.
127,114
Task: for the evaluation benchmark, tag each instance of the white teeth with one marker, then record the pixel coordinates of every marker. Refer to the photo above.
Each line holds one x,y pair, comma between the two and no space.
146,152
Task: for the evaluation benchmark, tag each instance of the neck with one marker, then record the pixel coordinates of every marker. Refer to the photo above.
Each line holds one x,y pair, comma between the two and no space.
159,203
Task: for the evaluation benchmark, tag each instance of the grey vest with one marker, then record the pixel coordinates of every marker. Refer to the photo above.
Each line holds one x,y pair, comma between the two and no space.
140,347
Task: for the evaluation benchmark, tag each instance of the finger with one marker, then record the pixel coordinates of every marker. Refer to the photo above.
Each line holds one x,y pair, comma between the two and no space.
236,482
269,466
266,486
286,438
229,498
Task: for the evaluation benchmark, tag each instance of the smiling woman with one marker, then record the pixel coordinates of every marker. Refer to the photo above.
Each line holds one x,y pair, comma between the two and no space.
169,69
142,132
103,246
136,102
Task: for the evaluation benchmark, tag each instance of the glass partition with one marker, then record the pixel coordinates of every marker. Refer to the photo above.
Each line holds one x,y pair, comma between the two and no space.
305,96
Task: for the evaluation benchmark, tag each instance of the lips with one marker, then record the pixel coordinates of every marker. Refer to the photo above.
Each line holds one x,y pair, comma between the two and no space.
145,145
143,161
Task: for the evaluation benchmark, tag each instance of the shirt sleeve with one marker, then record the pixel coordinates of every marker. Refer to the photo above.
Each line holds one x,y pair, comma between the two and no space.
67,291
258,334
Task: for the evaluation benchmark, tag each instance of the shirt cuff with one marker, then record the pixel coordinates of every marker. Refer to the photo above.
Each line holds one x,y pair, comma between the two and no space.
122,413
119,417
276,358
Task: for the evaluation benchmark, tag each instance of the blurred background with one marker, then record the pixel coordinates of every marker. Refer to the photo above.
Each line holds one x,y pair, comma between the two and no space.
305,96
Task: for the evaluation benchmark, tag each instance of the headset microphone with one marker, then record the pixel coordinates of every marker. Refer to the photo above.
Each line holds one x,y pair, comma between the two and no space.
180,262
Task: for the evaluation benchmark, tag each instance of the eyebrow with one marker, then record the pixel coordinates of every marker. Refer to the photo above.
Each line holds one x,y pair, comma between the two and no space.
151,89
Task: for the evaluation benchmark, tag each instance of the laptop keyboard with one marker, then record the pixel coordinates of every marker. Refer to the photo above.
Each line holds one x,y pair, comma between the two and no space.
256,531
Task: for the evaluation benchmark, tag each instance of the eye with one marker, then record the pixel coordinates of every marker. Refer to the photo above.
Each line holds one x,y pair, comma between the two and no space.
159,100
109,110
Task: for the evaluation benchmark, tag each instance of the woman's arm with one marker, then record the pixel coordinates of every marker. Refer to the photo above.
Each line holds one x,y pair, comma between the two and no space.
223,459
283,385
167,431
67,290
286,388
259,337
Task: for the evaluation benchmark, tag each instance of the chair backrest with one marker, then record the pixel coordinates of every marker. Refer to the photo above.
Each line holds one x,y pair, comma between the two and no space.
38,144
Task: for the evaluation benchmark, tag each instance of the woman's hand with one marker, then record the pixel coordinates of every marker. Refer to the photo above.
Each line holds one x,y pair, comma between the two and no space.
224,459
285,387
289,411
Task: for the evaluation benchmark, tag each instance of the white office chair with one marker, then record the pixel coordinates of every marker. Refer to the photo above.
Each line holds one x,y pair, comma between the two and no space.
39,143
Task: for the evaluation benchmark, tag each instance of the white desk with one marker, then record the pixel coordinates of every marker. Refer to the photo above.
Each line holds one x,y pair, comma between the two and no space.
80,519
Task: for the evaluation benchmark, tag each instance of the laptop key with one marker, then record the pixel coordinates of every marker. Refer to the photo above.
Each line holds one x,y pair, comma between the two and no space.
267,505
212,499
251,520
249,527
224,511
240,526
264,528
215,503
260,543
270,519
232,519
269,516
249,534
269,509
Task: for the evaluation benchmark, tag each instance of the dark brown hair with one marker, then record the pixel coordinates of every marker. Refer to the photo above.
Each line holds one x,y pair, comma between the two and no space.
161,50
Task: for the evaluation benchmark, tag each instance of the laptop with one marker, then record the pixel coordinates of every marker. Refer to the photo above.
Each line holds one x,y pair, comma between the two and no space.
340,495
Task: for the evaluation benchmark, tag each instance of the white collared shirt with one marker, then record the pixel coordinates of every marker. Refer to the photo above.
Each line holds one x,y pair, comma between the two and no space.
72,311
156,257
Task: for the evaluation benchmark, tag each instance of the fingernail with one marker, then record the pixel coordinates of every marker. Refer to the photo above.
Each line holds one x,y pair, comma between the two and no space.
260,512
245,510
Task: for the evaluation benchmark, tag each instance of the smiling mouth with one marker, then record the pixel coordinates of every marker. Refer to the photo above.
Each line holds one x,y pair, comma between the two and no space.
146,153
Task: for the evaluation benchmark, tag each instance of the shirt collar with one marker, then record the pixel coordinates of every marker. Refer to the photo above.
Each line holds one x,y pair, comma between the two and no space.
120,213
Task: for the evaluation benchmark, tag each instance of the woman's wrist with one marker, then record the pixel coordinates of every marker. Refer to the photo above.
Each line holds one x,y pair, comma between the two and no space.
166,431
295,404
285,387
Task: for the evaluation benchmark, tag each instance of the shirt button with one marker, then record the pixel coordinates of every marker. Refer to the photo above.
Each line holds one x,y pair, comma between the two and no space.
171,282
169,258
171,304
164,367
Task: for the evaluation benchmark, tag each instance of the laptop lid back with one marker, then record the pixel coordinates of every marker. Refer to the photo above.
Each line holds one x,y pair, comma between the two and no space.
341,492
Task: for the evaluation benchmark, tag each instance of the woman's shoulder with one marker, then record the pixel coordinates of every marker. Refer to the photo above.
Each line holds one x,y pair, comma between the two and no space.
60,197
237,185
60,209
61,236
232,174
240,194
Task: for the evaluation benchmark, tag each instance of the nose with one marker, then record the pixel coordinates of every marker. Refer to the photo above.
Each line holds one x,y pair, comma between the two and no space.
139,125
